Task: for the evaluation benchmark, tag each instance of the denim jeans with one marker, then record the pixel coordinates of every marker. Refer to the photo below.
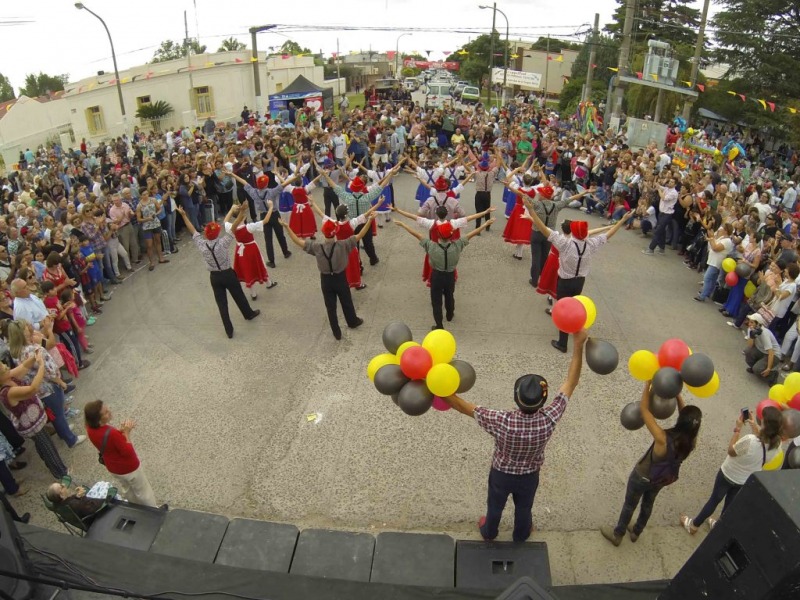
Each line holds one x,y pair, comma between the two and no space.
660,235
523,489
709,282
723,490
638,489
55,402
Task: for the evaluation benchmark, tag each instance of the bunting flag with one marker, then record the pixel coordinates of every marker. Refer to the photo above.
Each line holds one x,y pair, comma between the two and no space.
771,106
792,110
335,54
560,58
742,96
447,52
701,87
654,76
615,69
238,60
462,52
209,64
112,81
253,59
762,103
125,80
549,57
732,93
639,74
688,83
515,56
285,56
594,66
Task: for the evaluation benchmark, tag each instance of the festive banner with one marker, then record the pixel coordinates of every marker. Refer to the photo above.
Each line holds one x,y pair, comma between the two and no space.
412,63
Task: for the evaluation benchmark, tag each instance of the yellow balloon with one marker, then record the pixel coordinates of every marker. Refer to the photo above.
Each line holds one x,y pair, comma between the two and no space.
728,265
775,463
749,289
443,380
441,344
643,364
778,393
403,347
792,385
380,361
591,310
707,390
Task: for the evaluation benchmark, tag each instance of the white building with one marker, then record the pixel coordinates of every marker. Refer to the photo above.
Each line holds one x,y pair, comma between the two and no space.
28,122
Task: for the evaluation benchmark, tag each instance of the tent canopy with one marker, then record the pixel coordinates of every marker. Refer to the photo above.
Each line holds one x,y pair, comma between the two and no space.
708,114
301,92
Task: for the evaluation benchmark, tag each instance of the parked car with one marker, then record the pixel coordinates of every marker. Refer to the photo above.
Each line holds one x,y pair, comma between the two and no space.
470,95
438,95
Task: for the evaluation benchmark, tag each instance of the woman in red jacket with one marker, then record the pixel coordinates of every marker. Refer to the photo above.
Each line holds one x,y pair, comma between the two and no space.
118,453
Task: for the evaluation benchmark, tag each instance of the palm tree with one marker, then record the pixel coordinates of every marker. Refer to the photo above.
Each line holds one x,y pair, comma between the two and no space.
231,45
154,113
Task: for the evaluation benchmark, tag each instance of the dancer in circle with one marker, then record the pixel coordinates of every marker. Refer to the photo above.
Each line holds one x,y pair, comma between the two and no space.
247,259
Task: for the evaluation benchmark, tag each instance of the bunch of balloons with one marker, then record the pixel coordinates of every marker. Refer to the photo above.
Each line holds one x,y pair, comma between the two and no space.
735,271
418,376
571,315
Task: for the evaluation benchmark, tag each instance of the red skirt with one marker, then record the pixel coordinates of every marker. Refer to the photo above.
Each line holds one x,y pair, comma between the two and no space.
548,278
518,230
302,221
249,264
353,270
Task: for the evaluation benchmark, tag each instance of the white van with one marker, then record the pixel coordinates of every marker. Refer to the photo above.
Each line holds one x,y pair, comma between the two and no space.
438,95
411,84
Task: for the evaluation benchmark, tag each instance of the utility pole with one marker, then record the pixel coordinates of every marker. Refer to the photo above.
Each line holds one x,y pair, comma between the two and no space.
188,48
698,51
260,106
491,53
587,91
546,69
624,59
338,75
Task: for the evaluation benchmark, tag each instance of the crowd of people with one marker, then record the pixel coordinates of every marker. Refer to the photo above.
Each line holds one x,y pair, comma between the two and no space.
78,221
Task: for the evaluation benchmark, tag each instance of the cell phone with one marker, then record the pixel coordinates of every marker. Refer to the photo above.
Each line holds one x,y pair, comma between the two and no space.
745,414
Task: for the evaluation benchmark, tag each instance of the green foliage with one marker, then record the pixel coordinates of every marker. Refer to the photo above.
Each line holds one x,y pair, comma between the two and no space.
672,21
606,55
171,50
409,72
293,48
6,90
41,84
157,110
475,64
555,45
572,91
231,44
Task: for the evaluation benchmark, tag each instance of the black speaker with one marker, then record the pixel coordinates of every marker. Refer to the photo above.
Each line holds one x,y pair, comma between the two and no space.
12,560
754,550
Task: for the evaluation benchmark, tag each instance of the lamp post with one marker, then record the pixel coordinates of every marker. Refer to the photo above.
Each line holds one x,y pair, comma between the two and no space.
396,53
505,53
80,6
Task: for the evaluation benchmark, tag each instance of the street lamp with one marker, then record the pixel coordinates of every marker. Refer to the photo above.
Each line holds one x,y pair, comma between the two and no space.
505,57
397,52
80,6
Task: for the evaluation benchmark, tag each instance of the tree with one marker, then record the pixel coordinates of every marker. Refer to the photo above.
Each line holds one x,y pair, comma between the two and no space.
474,57
606,55
42,84
555,45
6,90
231,44
672,21
171,50
154,113
293,48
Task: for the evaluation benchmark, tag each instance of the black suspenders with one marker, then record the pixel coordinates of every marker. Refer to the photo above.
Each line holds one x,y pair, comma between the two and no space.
214,256
580,256
329,258
445,249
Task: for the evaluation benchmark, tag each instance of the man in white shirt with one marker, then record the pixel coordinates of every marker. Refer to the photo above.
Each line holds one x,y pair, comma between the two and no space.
719,247
666,211
789,197
339,146
763,352
26,305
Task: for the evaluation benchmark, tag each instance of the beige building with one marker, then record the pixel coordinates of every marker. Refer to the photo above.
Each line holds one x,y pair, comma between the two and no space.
28,122
535,61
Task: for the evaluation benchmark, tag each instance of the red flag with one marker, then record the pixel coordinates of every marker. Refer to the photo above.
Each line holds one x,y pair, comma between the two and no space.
285,56
238,60
771,106
549,57
701,87
594,66
149,74
335,54
742,96
639,74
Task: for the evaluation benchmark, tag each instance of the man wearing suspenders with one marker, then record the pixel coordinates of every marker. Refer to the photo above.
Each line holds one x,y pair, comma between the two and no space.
574,259
444,255
332,256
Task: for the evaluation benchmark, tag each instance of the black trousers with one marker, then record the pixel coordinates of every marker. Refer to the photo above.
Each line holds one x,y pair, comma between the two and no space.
331,200
443,287
567,288
483,200
8,431
274,226
223,282
366,241
335,287
660,233
540,248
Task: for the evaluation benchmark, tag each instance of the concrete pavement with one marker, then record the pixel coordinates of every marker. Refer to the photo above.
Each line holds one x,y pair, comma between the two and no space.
223,424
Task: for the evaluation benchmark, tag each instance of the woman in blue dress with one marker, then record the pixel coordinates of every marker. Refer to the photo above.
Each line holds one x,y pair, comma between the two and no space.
751,256
509,196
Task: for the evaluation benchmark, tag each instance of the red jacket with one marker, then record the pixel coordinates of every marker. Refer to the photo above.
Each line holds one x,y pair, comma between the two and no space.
119,456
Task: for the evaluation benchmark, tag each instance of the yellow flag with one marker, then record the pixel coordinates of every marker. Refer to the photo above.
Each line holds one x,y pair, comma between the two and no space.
515,56
762,103
792,110
560,58
124,80
654,76
688,83
615,69
732,93
209,64
253,59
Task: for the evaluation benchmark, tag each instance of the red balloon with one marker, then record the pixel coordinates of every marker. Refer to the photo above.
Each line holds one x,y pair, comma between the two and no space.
764,404
794,402
672,353
416,362
731,279
569,315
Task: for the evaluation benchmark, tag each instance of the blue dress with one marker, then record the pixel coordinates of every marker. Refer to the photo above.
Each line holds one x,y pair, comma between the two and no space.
424,193
735,297
510,198
386,199
285,202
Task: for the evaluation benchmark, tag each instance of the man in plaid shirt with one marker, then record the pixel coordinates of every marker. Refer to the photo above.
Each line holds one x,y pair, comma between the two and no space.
519,439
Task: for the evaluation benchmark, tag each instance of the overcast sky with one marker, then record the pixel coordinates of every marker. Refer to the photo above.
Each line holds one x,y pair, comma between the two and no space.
62,39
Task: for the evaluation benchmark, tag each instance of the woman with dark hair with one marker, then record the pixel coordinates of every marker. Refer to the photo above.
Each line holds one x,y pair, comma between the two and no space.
658,468
746,455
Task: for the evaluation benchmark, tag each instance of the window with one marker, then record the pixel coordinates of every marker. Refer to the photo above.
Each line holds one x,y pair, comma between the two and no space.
142,101
203,101
94,120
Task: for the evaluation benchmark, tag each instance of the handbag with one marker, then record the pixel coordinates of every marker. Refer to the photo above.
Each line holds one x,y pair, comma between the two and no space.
767,312
103,447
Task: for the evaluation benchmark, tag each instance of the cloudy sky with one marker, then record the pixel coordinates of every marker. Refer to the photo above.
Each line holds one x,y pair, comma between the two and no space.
54,37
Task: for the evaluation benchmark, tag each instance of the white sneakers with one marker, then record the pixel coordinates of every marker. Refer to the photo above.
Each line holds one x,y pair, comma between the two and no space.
80,439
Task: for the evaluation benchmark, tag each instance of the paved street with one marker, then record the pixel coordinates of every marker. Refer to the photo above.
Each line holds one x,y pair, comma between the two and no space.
223,426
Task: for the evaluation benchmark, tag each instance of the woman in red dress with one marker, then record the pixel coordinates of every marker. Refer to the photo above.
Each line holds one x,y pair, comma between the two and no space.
302,221
247,260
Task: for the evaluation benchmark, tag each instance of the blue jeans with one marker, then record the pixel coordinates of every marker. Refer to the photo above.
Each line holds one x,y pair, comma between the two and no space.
724,489
638,489
709,282
523,489
660,235
55,402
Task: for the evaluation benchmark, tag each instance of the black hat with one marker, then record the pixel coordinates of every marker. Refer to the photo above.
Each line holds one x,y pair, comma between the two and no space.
530,393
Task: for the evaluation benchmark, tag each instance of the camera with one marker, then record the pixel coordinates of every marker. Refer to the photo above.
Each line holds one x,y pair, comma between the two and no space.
754,332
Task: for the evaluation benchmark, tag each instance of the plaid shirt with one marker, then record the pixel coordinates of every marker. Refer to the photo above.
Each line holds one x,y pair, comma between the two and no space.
519,438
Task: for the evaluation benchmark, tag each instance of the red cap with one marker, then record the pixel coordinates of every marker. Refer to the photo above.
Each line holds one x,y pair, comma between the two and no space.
262,181
357,186
329,228
546,191
212,231
445,229
579,229
441,185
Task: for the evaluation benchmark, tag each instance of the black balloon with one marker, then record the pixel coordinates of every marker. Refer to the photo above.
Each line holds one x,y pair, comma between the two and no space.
697,370
743,270
389,379
467,374
667,382
394,398
663,408
790,423
415,398
601,356
631,417
793,458
395,334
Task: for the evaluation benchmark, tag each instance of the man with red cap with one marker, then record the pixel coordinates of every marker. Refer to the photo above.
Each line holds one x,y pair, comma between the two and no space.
574,259
442,195
444,255
215,251
332,258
